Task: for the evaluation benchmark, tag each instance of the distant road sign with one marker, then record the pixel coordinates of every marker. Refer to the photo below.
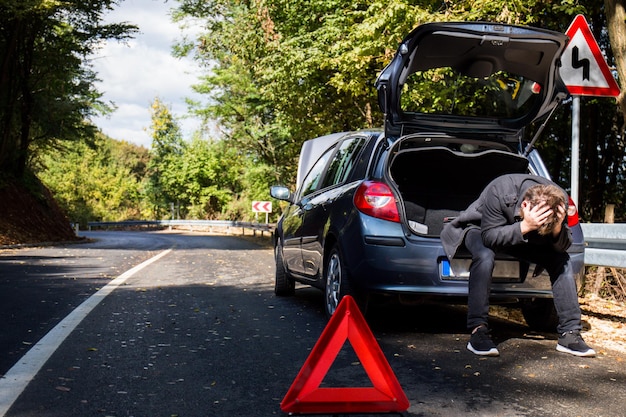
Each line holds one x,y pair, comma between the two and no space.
583,68
262,206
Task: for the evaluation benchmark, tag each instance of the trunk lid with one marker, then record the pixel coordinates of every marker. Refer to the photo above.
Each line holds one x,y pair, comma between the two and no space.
484,78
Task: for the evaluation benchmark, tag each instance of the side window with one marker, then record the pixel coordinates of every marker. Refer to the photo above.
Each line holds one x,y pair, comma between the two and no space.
313,178
344,160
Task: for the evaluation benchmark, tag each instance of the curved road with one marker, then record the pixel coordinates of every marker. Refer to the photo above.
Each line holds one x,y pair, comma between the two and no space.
197,331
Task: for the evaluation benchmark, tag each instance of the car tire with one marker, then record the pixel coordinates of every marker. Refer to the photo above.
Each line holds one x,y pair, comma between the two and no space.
284,284
540,314
337,284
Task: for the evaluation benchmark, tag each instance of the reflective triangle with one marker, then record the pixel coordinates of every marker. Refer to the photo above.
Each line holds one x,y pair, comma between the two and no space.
305,395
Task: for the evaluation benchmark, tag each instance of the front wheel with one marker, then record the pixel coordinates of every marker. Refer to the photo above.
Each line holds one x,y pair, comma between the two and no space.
337,284
284,284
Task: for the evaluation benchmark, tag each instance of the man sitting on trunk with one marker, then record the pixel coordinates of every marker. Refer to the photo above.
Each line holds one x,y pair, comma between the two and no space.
524,216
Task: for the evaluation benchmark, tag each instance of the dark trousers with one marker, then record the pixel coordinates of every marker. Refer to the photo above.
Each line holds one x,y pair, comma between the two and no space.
557,264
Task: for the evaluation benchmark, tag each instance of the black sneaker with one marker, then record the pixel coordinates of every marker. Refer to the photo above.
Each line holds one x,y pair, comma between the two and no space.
572,342
481,344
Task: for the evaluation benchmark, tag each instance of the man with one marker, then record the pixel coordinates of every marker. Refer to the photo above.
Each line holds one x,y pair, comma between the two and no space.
524,216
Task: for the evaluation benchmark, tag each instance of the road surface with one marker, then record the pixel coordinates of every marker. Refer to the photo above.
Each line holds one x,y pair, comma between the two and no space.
195,330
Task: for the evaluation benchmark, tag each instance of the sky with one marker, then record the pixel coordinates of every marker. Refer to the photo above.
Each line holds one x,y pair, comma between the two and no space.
136,72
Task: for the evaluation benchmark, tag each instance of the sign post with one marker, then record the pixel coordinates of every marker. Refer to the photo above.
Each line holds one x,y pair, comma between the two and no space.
585,73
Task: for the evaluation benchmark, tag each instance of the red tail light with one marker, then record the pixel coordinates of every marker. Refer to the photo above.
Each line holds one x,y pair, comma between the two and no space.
376,199
572,214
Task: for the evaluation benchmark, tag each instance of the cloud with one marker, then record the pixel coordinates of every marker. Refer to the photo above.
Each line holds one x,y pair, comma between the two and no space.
134,73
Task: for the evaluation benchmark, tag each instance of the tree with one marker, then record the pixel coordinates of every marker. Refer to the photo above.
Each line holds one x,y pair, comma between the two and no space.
167,146
209,175
270,90
99,180
280,72
47,88
616,16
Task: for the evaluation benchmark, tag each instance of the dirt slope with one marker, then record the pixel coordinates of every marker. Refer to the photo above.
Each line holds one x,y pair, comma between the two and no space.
31,215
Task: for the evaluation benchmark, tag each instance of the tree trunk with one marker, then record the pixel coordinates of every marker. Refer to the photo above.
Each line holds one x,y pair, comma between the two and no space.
9,93
616,16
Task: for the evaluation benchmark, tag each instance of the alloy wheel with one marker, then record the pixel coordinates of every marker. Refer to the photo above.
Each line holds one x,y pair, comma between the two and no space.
333,283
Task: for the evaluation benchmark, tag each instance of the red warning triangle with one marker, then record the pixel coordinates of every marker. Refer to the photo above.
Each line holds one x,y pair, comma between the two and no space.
583,68
305,395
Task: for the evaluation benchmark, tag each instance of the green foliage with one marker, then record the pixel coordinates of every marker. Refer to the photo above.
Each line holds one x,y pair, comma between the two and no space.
255,180
280,72
101,181
46,83
209,178
167,146
109,180
201,179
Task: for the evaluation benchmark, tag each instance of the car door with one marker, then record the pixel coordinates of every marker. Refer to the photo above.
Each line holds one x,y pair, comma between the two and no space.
318,208
293,218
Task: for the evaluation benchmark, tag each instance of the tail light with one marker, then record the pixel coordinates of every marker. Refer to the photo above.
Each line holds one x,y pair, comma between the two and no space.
376,199
572,213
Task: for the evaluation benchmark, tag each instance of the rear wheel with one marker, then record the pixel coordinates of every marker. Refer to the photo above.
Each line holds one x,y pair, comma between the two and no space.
284,284
337,284
540,314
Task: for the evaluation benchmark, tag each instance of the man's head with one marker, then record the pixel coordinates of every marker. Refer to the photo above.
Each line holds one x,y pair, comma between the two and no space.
552,196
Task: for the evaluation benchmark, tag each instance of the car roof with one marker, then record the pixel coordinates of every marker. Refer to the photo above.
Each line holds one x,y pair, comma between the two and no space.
311,150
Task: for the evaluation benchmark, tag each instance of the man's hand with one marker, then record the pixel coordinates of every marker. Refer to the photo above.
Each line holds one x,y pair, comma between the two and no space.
535,216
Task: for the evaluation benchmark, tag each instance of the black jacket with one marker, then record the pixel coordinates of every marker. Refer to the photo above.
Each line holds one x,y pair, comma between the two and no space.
496,213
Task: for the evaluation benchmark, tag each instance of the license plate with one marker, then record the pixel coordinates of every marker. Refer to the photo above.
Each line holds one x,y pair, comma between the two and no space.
458,269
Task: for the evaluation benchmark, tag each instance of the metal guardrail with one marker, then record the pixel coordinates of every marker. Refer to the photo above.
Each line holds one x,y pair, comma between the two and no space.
605,244
191,224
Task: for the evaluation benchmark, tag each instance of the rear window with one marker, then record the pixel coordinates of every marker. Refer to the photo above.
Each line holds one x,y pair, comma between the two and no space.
444,91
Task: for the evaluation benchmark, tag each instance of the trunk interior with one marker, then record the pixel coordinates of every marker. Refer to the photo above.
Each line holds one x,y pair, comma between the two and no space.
437,183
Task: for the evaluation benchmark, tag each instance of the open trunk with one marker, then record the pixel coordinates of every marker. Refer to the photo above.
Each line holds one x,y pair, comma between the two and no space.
436,183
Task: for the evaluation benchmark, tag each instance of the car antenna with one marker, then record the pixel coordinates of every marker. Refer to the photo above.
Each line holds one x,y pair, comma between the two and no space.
529,147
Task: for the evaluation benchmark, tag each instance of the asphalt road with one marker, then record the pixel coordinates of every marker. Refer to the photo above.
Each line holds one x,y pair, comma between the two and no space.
199,332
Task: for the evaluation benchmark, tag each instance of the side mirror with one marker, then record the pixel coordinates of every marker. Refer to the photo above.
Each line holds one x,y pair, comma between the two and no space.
280,192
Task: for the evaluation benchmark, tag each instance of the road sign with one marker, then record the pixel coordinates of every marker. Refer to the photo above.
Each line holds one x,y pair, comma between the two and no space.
262,206
583,68
305,395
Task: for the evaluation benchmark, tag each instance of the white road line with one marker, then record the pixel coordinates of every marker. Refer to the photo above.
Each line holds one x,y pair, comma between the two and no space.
13,383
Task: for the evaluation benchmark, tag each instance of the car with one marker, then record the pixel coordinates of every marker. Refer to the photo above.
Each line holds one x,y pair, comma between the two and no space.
369,205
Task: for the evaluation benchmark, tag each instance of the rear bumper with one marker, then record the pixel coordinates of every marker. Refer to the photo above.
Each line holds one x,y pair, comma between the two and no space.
391,264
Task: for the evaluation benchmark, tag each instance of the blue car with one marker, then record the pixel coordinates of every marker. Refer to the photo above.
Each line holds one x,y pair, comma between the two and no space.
369,206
